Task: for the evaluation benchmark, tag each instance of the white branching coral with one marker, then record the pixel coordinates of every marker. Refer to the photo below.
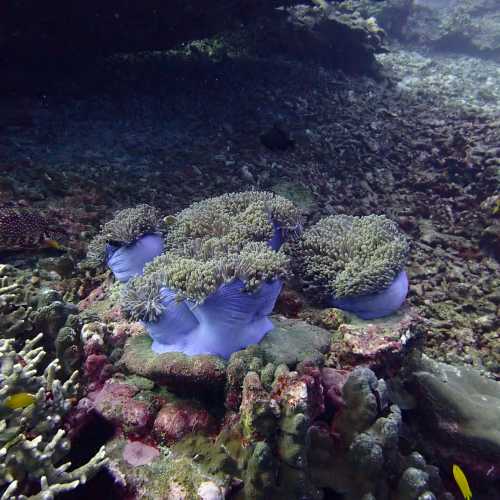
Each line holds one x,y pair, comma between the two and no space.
32,405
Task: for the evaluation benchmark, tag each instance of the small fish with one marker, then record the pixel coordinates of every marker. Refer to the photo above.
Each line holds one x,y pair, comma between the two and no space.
461,480
20,400
55,245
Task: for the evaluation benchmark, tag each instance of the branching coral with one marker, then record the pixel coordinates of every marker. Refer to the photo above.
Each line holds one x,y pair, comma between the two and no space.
15,296
347,258
212,290
128,241
32,405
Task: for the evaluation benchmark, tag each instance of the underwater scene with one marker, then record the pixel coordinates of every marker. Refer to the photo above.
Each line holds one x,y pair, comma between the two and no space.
250,250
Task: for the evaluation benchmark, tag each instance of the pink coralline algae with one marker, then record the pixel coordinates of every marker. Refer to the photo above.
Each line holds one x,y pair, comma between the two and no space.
136,453
176,420
115,402
26,228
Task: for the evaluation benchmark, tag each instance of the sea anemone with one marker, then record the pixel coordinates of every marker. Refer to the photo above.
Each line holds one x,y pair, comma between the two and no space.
212,290
354,263
211,305
127,242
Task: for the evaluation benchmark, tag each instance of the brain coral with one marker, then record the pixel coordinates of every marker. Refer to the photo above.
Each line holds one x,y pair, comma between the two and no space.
212,290
128,241
355,263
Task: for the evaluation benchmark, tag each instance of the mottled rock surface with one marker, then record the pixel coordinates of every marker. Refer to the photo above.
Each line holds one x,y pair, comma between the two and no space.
201,375
292,341
381,344
460,410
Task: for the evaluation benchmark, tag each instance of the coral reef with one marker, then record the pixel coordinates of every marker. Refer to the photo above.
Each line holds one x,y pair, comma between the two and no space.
32,440
462,26
363,442
423,151
354,263
127,242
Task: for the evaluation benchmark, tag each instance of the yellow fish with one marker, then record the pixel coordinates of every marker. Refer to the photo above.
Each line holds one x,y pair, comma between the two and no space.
54,245
20,400
461,480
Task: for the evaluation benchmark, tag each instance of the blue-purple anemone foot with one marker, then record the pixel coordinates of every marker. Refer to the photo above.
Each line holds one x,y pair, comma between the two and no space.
128,242
128,261
214,287
228,320
376,305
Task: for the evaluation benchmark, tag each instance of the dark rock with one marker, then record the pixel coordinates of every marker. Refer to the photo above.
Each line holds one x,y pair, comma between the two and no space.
328,34
292,341
57,31
115,402
177,419
458,411
470,27
276,139
382,344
